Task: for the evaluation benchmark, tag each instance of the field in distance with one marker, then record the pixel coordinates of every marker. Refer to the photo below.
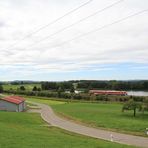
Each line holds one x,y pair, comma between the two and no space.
15,87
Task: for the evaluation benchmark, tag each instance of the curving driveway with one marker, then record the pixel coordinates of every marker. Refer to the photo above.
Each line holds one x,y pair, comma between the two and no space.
50,117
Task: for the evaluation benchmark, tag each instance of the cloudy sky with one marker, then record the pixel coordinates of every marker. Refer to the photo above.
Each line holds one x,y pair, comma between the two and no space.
76,46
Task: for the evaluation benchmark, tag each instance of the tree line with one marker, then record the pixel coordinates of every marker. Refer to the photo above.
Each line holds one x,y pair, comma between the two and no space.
94,84
89,84
56,85
113,84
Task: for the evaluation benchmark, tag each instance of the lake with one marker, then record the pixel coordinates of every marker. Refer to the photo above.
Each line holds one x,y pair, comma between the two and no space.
137,93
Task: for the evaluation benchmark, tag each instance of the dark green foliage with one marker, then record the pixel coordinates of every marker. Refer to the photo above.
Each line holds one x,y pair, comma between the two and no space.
59,92
1,88
113,84
145,105
87,84
38,89
132,105
56,85
72,90
138,98
22,88
49,85
102,97
35,88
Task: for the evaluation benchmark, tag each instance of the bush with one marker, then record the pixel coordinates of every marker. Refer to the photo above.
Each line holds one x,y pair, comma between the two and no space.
138,98
102,98
77,97
1,88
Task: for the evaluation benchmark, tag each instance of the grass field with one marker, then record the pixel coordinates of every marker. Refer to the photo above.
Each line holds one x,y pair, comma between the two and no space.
15,87
27,130
45,101
108,116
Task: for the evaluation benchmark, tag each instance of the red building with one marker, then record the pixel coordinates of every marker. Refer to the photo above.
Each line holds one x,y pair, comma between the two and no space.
107,92
12,103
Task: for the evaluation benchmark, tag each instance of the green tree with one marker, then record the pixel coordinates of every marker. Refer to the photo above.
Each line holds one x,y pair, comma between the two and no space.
1,88
60,90
132,105
34,88
72,89
22,88
145,105
38,89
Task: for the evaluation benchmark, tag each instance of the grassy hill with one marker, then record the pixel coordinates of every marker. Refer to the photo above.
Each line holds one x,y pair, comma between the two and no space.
28,130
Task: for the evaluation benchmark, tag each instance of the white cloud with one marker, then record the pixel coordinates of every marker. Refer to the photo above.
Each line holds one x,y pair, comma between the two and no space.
121,43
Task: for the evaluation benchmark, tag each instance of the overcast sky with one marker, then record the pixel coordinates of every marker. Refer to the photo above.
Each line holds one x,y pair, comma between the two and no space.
117,52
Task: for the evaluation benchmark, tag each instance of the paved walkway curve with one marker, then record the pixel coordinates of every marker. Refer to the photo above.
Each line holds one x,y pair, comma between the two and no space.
50,117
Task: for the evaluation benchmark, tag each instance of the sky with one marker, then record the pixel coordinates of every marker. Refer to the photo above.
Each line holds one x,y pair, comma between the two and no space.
62,51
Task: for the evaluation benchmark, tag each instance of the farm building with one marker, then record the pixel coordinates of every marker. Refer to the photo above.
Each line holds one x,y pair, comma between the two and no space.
107,92
12,103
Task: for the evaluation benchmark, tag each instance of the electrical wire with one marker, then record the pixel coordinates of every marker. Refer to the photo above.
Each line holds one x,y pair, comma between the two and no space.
49,24
79,21
101,28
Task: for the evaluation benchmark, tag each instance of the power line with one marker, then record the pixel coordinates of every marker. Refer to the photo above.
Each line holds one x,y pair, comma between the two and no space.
101,28
79,21
51,23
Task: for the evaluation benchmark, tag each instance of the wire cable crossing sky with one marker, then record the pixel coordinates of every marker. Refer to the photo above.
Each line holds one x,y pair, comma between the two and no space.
52,22
65,40
93,31
71,25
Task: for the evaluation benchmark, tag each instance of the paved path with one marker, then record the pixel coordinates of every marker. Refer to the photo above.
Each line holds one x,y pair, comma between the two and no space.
50,117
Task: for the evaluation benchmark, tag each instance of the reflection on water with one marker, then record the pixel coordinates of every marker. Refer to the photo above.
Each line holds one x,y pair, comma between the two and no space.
138,93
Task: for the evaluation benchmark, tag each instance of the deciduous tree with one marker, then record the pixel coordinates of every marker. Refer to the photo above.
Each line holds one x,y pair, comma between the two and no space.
132,105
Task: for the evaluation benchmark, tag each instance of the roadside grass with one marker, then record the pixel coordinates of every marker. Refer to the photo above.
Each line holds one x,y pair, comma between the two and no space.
103,115
15,87
27,130
31,104
45,101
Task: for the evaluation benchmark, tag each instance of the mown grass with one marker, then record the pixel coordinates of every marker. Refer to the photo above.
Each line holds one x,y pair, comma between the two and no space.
45,101
15,87
27,130
102,115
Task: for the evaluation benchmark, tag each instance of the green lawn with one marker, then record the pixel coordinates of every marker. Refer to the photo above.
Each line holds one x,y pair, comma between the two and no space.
108,116
45,101
15,87
27,130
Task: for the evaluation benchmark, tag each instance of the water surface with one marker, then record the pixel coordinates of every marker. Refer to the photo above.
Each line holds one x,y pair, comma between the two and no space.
138,93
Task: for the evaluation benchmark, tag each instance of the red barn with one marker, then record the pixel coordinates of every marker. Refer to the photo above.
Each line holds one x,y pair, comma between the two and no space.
12,103
107,92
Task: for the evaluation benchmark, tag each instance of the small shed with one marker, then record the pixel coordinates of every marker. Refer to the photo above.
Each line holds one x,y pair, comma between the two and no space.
12,103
